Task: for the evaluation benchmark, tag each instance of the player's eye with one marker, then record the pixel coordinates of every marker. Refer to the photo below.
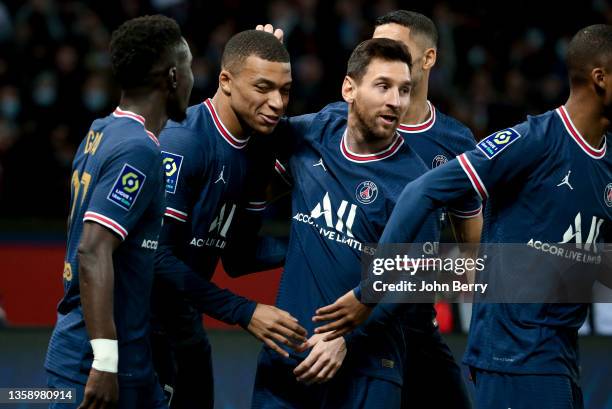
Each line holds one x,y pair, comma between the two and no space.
262,88
382,86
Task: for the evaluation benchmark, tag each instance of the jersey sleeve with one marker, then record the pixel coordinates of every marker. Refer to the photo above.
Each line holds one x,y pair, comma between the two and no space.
470,205
184,163
126,184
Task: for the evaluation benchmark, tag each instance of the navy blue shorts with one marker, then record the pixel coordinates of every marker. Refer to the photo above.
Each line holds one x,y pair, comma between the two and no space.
432,378
182,353
149,396
502,390
276,388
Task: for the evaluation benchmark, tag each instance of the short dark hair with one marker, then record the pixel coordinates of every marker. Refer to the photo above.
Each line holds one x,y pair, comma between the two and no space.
589,48
138,45
383,48
252,42
416,22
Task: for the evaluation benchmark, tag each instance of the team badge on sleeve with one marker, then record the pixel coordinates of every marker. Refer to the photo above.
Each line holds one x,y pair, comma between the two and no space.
497,142
126,188
172,167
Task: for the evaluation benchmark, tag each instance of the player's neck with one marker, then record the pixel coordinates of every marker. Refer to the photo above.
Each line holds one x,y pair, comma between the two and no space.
148,105
227,115
360,141
588,119
418,110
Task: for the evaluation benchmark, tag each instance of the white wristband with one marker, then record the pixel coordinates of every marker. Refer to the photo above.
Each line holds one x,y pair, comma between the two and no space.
106,354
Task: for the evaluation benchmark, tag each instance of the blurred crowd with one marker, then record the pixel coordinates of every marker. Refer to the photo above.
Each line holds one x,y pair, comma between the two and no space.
496,64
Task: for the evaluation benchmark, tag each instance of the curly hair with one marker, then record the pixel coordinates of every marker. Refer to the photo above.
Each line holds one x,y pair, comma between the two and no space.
138,45
252,42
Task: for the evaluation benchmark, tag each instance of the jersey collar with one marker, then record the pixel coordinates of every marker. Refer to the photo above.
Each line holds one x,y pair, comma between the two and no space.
120,113
223,131
578,138
423,126
389,151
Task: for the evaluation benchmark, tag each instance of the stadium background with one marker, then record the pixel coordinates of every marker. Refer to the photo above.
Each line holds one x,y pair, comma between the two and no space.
496,64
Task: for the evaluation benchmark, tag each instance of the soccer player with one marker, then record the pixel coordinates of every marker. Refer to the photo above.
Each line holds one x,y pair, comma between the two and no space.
100,344
436,138
549,180
346,174
211,176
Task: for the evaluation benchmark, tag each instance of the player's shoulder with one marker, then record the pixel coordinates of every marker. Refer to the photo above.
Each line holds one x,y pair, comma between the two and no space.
189,135
127,135
530,137
454,127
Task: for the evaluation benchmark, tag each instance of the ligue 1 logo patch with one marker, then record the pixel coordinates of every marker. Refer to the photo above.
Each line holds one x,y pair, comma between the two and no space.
497,142
439,160
608,195
127,187
366,192
172,167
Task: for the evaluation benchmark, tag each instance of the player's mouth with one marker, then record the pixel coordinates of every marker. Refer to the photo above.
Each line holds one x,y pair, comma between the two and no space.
270,120
388,119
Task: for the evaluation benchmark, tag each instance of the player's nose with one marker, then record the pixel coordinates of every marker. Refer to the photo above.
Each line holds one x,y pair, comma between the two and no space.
275,101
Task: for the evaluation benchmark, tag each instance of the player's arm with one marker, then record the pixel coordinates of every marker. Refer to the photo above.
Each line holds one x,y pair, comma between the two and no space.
96,281
105,226
514,155
269,324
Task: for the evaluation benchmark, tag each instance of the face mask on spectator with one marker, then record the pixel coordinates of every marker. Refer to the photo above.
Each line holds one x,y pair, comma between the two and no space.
44,95
10,107
95,99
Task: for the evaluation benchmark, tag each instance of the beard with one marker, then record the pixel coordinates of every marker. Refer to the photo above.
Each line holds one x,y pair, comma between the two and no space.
366,121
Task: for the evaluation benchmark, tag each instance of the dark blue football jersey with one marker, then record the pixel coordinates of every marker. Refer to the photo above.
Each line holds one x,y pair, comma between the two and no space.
340,205
544,184
438,140
117,182
211,186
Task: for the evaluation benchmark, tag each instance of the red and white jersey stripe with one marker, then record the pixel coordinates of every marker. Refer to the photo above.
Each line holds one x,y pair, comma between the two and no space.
223,131
106,222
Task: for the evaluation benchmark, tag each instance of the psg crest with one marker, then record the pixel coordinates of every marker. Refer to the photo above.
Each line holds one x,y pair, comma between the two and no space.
608,195
366,192
439,160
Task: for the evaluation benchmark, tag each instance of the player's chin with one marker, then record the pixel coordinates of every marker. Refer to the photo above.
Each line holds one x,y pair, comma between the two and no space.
264,127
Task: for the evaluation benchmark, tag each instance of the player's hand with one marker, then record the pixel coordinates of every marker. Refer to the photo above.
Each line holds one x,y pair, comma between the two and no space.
269,28
101,390
347,312
273,327
323,361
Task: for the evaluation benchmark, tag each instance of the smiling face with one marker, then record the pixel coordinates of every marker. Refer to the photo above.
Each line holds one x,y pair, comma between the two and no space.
259,93
380,98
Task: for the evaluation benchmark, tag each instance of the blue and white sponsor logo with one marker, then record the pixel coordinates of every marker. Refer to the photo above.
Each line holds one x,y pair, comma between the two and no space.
172,168
127,187
608,195
495,143
366,192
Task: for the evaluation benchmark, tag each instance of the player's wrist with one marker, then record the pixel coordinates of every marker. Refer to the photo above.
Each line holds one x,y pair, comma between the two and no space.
106,355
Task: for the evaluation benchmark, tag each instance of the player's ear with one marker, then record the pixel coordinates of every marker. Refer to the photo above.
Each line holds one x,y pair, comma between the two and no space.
598,75
172,82
429,58
225,82
348,89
